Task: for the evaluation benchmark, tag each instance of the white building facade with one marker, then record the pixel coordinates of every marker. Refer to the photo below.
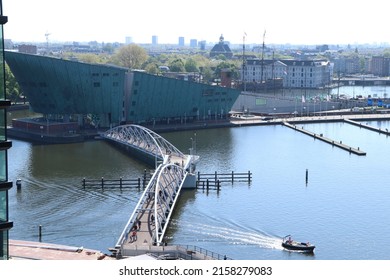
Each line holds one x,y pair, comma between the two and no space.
294,73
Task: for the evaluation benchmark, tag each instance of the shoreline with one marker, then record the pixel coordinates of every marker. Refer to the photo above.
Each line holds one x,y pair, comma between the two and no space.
93,134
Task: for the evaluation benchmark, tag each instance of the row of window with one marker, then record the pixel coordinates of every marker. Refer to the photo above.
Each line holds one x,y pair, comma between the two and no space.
104,74
44,85
97,84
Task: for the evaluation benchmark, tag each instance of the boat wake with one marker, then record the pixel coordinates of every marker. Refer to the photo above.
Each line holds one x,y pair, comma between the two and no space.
232,235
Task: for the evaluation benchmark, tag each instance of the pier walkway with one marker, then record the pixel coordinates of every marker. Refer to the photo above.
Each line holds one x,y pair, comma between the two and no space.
372,128
145,229
327,140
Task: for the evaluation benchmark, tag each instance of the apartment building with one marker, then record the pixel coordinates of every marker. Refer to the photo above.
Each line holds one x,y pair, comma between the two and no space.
295,73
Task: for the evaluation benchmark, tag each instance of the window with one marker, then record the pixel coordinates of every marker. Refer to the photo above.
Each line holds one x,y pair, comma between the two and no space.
96,84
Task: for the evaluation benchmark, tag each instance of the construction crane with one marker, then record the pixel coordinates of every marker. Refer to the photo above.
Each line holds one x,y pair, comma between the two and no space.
47,40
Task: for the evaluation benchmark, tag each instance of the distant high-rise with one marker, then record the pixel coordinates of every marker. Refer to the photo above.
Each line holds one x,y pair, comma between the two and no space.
154,40
128,40
181,41
193,43
202,45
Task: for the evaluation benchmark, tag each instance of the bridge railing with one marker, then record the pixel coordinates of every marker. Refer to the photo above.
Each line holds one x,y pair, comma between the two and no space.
142,138
149,189
168,185
187,252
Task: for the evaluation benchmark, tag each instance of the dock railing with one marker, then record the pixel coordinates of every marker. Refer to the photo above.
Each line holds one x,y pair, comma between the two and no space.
186,252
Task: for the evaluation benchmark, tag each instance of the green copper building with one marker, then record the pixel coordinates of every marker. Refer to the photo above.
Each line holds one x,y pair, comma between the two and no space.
5,225
107,95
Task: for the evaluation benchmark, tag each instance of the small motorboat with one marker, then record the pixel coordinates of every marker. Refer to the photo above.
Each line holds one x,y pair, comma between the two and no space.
293,245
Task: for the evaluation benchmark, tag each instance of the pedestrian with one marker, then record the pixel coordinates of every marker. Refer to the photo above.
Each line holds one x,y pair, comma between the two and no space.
152,218
134,236
139,224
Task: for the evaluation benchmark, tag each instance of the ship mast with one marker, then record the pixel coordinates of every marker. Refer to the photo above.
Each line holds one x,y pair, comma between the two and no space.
262,57
243,62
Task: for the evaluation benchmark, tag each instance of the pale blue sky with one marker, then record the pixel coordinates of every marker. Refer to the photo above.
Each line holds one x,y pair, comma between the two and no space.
285,21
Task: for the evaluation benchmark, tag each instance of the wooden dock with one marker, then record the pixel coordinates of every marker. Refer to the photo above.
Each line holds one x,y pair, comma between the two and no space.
121,183
214,180
376,129
327,140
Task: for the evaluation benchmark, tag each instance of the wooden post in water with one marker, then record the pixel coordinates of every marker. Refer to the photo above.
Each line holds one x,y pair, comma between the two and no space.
249,176
207,184
139,182
218,185
144,181
19,184
84,183
307,175
198,176
40,233
120,183
102,183
216,175
232,177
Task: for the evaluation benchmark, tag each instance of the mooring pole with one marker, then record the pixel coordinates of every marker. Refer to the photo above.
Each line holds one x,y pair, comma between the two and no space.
40,233
19,184
307,175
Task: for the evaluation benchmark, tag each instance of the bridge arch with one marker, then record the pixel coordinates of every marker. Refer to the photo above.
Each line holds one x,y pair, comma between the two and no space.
143,139
167,188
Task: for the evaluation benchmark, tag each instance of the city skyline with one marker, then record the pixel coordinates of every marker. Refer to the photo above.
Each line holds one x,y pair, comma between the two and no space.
282,22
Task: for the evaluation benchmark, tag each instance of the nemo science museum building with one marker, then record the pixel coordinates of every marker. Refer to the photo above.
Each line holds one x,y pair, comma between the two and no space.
96,95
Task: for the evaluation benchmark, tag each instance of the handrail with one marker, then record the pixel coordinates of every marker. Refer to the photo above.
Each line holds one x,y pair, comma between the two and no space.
131,220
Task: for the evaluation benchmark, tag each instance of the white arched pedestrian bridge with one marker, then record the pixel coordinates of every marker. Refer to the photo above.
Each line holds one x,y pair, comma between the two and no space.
144,140
174,171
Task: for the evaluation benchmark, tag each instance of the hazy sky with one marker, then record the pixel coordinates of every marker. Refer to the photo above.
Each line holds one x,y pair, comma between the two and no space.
285,21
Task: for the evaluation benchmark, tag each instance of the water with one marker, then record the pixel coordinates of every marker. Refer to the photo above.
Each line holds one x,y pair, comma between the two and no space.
343,209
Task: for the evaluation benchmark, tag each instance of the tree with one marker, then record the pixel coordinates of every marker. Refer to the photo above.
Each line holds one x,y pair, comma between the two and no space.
131,56
152,68
207,74
191,65
227,66
177,65
89,58
13,90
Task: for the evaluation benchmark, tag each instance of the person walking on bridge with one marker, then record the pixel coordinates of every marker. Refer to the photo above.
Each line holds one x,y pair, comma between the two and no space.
133,236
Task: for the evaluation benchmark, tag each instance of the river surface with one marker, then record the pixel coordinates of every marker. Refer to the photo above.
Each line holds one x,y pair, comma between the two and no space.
343,208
